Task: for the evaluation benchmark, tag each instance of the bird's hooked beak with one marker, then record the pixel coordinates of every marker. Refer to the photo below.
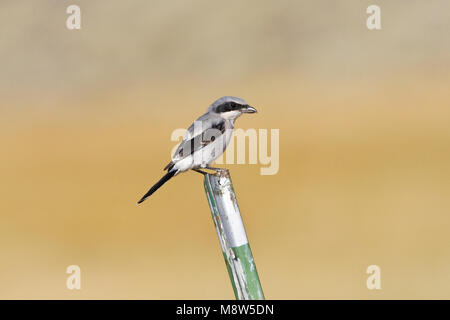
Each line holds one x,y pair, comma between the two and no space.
249,109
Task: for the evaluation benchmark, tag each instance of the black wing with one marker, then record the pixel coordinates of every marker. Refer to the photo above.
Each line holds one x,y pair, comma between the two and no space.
208,135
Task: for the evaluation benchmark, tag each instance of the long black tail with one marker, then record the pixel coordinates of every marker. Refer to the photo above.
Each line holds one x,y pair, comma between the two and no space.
158,185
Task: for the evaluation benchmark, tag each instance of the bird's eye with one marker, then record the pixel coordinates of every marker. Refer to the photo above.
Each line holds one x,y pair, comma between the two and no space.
213,138
180,153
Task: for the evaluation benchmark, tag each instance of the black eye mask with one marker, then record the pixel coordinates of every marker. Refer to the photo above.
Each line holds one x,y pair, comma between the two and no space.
229,106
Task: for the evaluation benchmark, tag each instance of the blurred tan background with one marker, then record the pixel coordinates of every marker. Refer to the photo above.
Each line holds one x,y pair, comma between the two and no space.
85,124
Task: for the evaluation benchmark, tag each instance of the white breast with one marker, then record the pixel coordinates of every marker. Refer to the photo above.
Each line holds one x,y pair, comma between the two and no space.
212,151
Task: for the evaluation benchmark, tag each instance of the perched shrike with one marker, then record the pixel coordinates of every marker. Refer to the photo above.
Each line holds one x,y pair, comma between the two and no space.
205,140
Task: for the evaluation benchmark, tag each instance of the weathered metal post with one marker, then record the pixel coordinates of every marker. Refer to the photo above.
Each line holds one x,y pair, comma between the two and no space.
232,237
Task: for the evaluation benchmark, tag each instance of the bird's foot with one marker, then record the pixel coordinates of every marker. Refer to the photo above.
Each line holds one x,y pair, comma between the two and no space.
217,171
200,171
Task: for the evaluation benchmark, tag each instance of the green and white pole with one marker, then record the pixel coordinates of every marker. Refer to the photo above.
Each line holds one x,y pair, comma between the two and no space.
232,237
